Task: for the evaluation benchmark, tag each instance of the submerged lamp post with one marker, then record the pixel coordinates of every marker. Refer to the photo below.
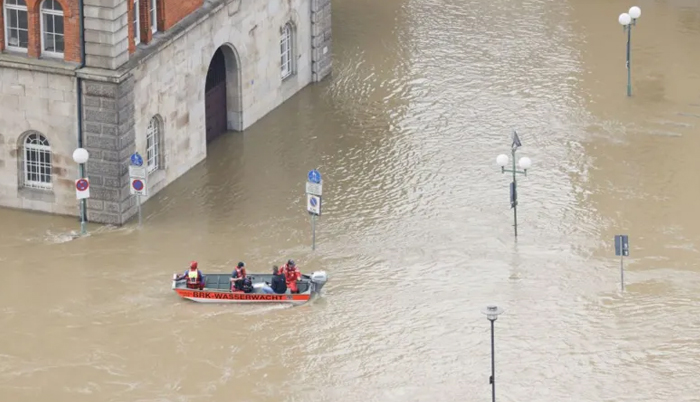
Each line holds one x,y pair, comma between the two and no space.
81,156
492,312
524,164
628,20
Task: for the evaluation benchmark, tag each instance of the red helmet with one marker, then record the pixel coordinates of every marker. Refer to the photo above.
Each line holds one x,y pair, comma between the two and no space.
193,264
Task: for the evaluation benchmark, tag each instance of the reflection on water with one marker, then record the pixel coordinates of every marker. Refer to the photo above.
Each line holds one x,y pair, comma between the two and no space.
416,233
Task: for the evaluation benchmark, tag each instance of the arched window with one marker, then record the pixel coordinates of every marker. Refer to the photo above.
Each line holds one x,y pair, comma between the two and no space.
154,140
37,162
286,50
16,25
52,27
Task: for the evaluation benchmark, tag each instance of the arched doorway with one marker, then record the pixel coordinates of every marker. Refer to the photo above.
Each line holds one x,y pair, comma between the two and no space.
222,94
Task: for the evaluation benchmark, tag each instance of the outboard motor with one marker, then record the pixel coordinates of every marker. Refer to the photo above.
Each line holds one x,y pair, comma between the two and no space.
319,278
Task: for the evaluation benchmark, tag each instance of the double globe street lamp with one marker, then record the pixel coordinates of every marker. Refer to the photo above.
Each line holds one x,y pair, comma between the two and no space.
81,156
628,20
524,163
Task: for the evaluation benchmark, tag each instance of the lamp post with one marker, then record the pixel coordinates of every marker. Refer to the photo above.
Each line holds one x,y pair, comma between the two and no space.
81,156
627,20
524,163
492,312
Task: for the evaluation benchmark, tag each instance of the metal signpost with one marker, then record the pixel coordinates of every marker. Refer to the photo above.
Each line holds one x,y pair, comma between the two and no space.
622,250
314,187
137,180
82,186
82,193
525,164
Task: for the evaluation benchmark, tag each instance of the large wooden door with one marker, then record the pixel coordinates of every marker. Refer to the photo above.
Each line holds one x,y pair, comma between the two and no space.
215,97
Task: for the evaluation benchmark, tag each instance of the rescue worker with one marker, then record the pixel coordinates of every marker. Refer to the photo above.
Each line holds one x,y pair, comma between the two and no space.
291,274
237,277
195,279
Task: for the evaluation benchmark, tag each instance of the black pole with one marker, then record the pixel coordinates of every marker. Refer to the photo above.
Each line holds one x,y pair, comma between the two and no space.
493,366
515,197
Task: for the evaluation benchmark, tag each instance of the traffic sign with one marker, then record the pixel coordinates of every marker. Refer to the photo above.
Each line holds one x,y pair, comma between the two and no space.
136,159
314,188
82,189
313,204
137,172
622,245
138,187
314,176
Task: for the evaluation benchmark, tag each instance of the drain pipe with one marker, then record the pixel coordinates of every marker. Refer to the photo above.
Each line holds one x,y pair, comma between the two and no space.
79,92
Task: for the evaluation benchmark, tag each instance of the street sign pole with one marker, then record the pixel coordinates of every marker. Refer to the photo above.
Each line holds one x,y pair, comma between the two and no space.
314,187
313,231
137,180
622,249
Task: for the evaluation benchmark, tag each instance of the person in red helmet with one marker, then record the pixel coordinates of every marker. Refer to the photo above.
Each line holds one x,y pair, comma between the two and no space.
195,279
291,274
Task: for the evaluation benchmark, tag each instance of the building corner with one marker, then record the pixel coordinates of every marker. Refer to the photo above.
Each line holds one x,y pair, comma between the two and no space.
321,39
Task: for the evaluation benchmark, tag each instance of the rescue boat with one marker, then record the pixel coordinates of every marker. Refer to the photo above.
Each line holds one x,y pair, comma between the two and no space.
217,289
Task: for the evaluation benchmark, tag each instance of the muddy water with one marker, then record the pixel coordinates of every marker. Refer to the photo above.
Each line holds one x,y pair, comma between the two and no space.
416,233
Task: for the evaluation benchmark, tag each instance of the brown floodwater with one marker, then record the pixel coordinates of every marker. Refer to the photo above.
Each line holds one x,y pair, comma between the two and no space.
416,232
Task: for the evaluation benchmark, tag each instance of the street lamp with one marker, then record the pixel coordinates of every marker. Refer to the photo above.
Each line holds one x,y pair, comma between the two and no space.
81,156
627,20
492,312
524,163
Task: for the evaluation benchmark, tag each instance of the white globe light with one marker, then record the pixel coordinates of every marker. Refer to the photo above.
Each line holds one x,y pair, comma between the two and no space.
502,160
525,162
635,12
81,155
625,19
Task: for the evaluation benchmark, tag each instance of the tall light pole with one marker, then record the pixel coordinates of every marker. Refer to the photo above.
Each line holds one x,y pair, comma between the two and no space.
628,20
525,164
492,312
81,156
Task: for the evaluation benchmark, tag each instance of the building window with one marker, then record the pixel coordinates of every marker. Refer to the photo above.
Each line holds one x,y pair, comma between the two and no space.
37,162
286,51
153,144
52,27
154,15
137,23
16,25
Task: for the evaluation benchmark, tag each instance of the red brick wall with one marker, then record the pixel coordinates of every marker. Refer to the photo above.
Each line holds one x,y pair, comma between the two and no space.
176,10
71,22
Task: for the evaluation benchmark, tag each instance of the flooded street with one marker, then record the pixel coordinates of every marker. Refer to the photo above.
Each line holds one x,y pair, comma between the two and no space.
416,233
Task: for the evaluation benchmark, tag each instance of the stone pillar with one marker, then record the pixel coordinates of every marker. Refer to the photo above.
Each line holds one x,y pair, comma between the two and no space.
321,59
106,33
109,136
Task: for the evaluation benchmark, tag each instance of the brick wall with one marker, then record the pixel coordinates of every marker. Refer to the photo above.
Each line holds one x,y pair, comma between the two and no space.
176,10
71,22
169,13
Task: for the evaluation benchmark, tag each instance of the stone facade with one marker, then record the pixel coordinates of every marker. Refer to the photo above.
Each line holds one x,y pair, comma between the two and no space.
124,86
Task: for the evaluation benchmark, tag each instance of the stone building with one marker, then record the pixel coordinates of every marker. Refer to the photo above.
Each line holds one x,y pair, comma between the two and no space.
161,77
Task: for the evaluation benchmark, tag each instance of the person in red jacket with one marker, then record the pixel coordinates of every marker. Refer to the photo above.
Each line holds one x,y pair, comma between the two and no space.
195,279
291,274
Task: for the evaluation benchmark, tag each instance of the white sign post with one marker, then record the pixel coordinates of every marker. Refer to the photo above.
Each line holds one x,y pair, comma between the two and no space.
314,187
137,180
82,189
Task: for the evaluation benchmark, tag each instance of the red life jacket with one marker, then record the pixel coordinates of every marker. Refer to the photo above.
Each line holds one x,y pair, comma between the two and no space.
290,274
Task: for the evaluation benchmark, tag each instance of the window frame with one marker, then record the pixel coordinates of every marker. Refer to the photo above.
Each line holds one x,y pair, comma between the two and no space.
39,144
5,8
136,22
42,26
153,15
154,133
287,66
